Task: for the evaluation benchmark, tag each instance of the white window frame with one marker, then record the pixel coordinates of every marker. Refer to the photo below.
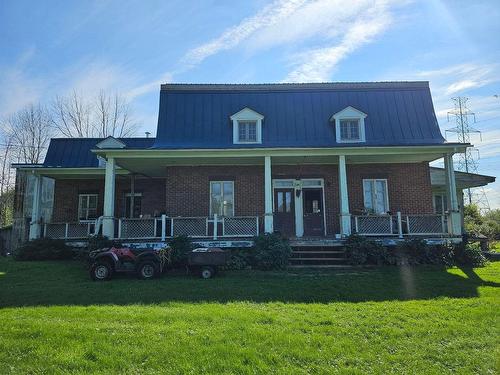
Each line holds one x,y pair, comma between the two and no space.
129,195
373,181
247,115
222,191
87,209
350,114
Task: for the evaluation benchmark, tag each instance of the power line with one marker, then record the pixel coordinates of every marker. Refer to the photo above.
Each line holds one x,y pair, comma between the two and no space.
469,160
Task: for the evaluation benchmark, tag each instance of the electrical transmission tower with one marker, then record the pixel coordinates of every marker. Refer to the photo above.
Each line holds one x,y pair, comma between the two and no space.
469,160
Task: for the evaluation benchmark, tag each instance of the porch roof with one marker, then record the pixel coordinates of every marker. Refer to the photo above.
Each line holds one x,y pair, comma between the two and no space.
463,180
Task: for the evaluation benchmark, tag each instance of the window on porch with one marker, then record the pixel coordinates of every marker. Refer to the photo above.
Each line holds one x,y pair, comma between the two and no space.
375,194
222,198
137,209
87,206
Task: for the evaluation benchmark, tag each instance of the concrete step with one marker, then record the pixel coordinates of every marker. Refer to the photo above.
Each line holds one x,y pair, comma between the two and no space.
319,252
314,266
320,258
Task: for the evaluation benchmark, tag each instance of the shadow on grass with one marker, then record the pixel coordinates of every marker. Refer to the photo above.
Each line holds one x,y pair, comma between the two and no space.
68,283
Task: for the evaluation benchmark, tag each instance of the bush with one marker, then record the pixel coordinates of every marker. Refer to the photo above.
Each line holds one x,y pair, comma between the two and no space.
439,254
469,254
239,259
271,252
411,251
43,249
181,246
360,250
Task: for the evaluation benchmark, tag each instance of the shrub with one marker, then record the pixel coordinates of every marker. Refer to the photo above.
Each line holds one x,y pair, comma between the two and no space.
239,259
271,252
361,250
469,254
43,249
181,246
411,251
439,254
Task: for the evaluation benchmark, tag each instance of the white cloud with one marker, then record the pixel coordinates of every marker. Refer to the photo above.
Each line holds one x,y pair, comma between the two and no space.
318,64
233,36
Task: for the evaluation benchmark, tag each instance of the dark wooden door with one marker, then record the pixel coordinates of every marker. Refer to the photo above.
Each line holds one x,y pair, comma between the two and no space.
313,212
284,212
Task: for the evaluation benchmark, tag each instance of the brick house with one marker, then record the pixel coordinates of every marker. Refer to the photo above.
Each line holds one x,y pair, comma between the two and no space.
231,161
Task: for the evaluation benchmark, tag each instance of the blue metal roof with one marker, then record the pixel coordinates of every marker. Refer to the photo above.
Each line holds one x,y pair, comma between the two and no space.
296,115
75,152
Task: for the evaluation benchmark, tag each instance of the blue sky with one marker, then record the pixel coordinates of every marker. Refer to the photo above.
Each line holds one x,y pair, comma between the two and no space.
49,48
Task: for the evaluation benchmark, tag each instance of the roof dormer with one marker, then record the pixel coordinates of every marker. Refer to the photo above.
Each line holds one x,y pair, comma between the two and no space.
349,125
247,126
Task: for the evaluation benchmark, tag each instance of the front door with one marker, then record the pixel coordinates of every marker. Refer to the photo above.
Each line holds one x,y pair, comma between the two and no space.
313,212
284,212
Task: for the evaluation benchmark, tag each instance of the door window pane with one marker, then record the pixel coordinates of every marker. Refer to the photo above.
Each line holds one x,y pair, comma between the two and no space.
279,197
288,201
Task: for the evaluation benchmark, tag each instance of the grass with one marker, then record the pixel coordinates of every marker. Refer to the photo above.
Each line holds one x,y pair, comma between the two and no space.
383,320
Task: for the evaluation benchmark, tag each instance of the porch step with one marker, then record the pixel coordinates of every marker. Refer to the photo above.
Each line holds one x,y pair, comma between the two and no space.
312,256
319,252
337,266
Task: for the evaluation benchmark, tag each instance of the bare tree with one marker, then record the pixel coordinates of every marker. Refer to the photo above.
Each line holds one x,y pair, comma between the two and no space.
112,116
75,116
71,116
29,131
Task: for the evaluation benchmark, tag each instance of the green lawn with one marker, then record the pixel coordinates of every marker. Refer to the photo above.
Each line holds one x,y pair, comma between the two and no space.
53,319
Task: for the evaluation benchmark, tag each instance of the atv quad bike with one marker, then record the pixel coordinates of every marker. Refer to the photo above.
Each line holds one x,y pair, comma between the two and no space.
147,264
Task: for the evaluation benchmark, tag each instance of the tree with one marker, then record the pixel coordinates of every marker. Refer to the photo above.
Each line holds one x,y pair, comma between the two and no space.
487,225
29,131
105,115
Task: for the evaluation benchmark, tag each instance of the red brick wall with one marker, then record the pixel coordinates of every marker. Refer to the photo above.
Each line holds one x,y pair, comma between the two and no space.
186,190
408,185
66,196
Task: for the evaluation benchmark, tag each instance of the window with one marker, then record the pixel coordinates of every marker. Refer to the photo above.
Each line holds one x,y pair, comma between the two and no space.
247,131
349,130
349,125
375,196
137,211
222,198
87,206
440,204
284,201
247,126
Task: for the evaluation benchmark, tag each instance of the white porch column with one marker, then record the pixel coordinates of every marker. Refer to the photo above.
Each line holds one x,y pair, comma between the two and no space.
454,219
268,195
108,223
35,224
345,216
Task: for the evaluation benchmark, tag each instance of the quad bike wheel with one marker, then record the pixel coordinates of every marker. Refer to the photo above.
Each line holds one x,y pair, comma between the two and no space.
148,270
207,272
101,271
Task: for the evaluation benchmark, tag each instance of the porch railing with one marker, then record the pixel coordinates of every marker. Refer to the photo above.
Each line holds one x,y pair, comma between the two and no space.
400,225
75,230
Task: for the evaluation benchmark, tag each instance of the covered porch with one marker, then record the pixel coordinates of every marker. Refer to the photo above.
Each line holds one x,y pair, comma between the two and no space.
305,193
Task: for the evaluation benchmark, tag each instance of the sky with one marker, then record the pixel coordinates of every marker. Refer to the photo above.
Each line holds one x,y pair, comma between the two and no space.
50,48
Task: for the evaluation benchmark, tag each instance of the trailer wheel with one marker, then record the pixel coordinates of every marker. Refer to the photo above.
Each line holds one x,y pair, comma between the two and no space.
207,272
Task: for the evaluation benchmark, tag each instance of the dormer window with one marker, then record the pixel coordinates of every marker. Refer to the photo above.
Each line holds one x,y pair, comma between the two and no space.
349,130
247,131
247,126
349,125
